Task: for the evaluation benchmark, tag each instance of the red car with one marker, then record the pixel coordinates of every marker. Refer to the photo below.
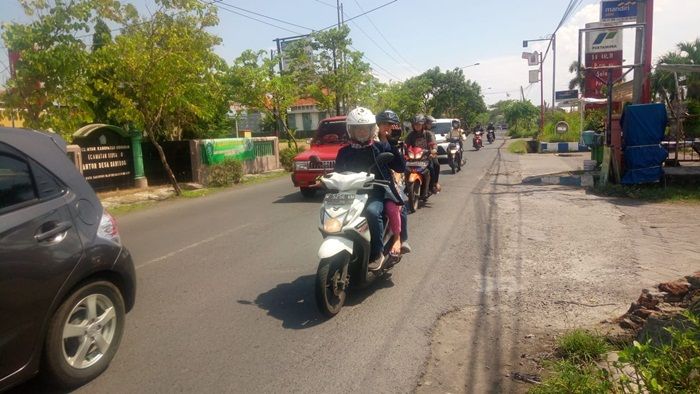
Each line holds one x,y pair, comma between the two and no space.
331,135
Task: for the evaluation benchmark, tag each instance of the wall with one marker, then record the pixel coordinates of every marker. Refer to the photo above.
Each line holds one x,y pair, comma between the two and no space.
261,163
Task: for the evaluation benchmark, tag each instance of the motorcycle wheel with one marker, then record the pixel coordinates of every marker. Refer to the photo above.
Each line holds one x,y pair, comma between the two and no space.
413,196
332,281
459,163
451,162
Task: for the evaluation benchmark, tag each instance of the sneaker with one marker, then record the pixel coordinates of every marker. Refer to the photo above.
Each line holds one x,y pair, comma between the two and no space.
405,247
376,264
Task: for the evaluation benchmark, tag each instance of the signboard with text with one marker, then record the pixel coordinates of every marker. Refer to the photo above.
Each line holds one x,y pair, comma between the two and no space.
600,60
566,95
107,162
608,40
618,11
218,150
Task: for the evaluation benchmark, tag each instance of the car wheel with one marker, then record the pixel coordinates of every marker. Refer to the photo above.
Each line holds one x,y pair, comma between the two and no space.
84,335
307,192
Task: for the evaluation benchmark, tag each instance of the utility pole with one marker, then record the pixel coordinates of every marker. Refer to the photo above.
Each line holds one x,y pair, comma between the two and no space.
541,95
642,88
554,70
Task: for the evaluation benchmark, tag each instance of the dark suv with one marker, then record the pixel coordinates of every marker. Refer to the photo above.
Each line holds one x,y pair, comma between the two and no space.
66,281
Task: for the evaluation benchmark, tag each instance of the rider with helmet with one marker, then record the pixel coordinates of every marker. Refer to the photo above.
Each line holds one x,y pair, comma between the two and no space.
361,155
491,132
390,132
426,139
456,133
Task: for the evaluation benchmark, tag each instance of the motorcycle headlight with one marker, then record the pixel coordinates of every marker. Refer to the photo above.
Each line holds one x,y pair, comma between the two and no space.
411,155
332,225
301,165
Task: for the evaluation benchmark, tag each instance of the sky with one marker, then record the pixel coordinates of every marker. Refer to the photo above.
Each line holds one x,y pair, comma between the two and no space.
407,37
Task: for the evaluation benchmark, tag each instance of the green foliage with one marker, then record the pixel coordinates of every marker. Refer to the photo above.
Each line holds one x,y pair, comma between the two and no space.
52,84
518,147
570,377
668,368
653,192
521,117
287,157
595,120
551,119
226,173
581,346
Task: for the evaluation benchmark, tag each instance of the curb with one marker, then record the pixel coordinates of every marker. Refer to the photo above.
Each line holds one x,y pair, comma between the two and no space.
562,147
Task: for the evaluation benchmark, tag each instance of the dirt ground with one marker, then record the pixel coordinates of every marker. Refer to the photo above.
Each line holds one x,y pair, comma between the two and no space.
555,258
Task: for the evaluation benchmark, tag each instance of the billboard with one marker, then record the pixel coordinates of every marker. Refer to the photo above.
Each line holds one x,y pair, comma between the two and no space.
566,95
218,150
618,11
603,40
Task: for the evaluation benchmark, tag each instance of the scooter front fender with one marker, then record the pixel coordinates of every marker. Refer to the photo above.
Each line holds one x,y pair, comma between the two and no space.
333,245
414,177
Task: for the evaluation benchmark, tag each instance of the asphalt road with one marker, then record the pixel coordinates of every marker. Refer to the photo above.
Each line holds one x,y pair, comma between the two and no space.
225,294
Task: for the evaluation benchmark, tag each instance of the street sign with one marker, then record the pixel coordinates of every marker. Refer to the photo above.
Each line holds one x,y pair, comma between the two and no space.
618,11
562,127
566,95
534,76
534,59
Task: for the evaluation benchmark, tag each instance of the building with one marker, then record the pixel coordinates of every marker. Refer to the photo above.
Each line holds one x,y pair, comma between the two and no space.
304,116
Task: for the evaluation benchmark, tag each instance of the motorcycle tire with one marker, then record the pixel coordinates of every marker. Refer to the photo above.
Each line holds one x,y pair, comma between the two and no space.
413,196
453,166
332,281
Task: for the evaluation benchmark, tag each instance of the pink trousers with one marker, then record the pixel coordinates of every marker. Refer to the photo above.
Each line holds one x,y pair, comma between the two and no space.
393,213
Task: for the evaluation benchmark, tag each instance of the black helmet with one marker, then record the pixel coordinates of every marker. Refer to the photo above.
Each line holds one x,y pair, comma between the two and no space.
418,119
429,119
388,116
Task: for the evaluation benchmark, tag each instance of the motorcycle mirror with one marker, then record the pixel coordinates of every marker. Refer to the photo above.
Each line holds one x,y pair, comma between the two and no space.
385,157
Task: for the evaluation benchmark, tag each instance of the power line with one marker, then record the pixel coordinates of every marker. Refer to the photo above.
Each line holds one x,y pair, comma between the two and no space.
255,19
262,15
386,40
387,72
362,14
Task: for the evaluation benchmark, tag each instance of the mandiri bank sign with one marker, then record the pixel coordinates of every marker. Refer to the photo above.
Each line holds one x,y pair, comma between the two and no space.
618,11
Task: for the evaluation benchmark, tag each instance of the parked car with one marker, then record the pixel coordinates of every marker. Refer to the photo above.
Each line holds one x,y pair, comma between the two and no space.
330,136
441,128
66,280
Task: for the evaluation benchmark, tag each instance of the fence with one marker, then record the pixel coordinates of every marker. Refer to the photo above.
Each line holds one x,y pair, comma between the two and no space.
683,150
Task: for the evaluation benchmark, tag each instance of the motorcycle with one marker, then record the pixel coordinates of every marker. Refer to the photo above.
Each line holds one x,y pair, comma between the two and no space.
476,141
455,155
344,253
491,136
417,176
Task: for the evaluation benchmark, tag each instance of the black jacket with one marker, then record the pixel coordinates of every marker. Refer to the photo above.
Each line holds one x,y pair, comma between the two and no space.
359,160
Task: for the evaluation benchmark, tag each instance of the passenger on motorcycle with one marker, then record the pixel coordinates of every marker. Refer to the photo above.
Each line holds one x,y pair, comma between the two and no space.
361,155
456,133
425,139
390,132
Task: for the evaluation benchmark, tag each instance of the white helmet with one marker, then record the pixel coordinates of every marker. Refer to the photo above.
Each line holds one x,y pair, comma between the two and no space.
361,119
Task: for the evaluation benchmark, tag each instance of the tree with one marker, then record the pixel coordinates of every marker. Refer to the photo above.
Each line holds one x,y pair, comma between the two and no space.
253,83
51,85
520,115
579,81
164,74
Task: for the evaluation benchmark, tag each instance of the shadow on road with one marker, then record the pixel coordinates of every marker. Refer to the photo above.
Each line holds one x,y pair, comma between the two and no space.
36,385
296,197
292,303
358,296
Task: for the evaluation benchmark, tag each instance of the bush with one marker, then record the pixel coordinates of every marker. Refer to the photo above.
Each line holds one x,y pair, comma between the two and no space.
550,134
518,147
569,377
287,157
226,173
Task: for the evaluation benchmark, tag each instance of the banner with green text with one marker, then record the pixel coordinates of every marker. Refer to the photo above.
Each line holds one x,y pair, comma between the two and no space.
216,151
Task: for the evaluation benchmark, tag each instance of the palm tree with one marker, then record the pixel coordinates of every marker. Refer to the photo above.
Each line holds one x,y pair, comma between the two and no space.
580,79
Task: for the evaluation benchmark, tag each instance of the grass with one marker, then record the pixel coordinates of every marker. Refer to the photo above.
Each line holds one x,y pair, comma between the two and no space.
653,192
673,367
123,209
519,147
582,346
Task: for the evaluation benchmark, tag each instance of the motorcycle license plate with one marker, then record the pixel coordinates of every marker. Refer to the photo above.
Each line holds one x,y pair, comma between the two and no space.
339,198
417,163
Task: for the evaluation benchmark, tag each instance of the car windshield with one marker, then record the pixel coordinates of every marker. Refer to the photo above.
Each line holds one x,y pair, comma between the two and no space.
441,128
331,132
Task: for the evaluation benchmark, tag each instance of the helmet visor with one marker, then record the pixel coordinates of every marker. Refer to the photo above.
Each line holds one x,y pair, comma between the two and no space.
361,132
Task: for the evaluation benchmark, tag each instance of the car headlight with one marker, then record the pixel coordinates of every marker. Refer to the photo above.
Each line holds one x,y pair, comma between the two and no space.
332,225
301,165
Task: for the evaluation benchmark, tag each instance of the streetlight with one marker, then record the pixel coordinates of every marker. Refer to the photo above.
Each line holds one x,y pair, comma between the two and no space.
471,65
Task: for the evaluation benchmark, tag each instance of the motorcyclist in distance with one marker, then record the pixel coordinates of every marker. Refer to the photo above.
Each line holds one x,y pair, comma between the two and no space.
456,133
425,139
361,155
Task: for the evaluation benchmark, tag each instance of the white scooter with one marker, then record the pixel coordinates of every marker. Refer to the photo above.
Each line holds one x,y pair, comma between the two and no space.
344,253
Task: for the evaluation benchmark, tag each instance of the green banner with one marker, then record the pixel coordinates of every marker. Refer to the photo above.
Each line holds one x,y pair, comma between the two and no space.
216,151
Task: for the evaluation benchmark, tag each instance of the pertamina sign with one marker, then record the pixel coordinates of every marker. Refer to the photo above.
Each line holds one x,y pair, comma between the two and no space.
604,41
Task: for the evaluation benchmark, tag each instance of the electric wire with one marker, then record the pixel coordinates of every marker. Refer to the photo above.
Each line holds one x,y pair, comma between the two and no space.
261,15
406,62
